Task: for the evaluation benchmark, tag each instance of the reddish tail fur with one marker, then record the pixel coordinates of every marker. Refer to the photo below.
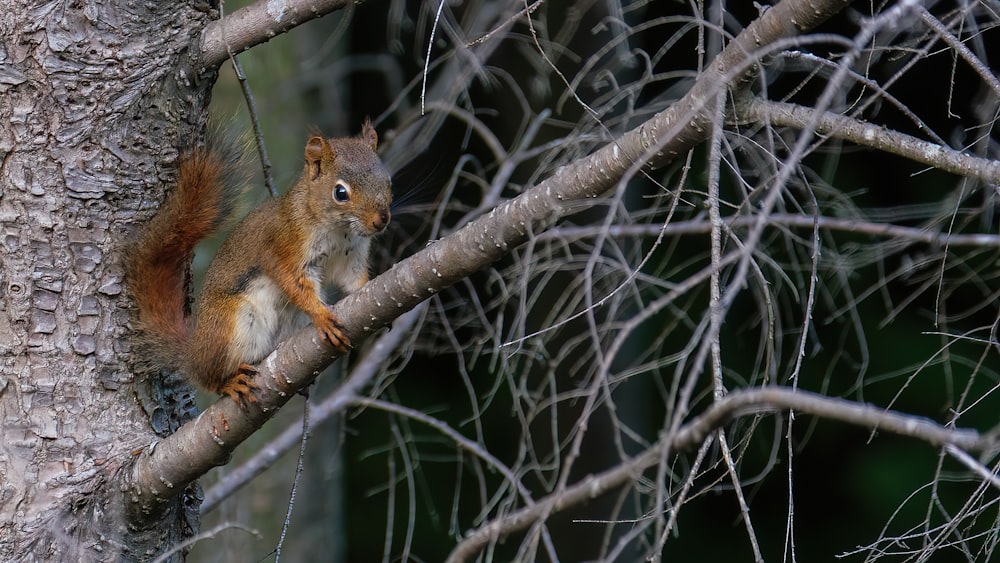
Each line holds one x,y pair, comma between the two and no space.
157,266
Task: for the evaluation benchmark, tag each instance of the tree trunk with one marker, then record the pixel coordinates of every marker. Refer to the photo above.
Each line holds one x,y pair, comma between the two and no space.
95,100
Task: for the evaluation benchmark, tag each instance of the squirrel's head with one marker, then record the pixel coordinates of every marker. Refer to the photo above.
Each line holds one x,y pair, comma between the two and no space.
348,183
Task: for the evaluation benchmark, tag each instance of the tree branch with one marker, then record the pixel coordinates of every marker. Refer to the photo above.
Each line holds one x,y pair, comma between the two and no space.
163,470
734,405
757,110
258,23
955,43
793,220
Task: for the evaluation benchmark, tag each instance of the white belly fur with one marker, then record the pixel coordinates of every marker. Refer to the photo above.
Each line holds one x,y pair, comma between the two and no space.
264,319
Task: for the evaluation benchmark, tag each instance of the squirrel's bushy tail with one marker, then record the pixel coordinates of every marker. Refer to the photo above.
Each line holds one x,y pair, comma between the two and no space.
158,264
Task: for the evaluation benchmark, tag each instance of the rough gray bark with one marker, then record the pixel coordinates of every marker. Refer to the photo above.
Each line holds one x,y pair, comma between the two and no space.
95,98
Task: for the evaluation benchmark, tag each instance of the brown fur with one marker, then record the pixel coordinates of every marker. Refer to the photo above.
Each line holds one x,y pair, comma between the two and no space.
157,264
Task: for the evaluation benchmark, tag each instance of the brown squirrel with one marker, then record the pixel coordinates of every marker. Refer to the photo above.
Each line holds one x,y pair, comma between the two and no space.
280,254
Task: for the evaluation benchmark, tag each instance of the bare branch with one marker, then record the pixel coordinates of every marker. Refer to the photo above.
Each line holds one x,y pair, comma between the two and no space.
914,234
866,134
258,23
974,466
200,536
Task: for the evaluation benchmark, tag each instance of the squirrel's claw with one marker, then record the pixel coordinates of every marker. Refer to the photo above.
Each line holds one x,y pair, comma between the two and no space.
240,386
331,329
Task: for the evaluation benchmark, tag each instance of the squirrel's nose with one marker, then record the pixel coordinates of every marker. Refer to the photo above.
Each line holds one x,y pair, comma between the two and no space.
380,221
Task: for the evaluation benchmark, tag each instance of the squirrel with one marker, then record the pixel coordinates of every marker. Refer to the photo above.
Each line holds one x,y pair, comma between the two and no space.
280,254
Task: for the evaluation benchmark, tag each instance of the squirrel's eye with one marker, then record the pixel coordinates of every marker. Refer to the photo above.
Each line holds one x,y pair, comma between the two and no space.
340,193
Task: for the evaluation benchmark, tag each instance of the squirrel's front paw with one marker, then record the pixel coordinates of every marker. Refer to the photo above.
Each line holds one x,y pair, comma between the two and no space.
240,386
331,329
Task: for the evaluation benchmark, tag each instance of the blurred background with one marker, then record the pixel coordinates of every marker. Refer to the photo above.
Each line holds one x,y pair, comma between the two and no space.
897,322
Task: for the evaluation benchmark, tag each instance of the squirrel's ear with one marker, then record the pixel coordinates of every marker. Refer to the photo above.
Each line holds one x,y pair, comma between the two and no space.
368,134
316,150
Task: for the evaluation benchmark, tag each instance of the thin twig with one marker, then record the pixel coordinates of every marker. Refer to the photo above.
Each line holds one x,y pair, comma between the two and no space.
427,58
527,10
717,314
295,480
265,162
460,441
206,535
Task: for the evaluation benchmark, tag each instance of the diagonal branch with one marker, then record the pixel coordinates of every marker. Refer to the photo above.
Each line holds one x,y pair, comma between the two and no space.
258,23
163,470
757,110
791,220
